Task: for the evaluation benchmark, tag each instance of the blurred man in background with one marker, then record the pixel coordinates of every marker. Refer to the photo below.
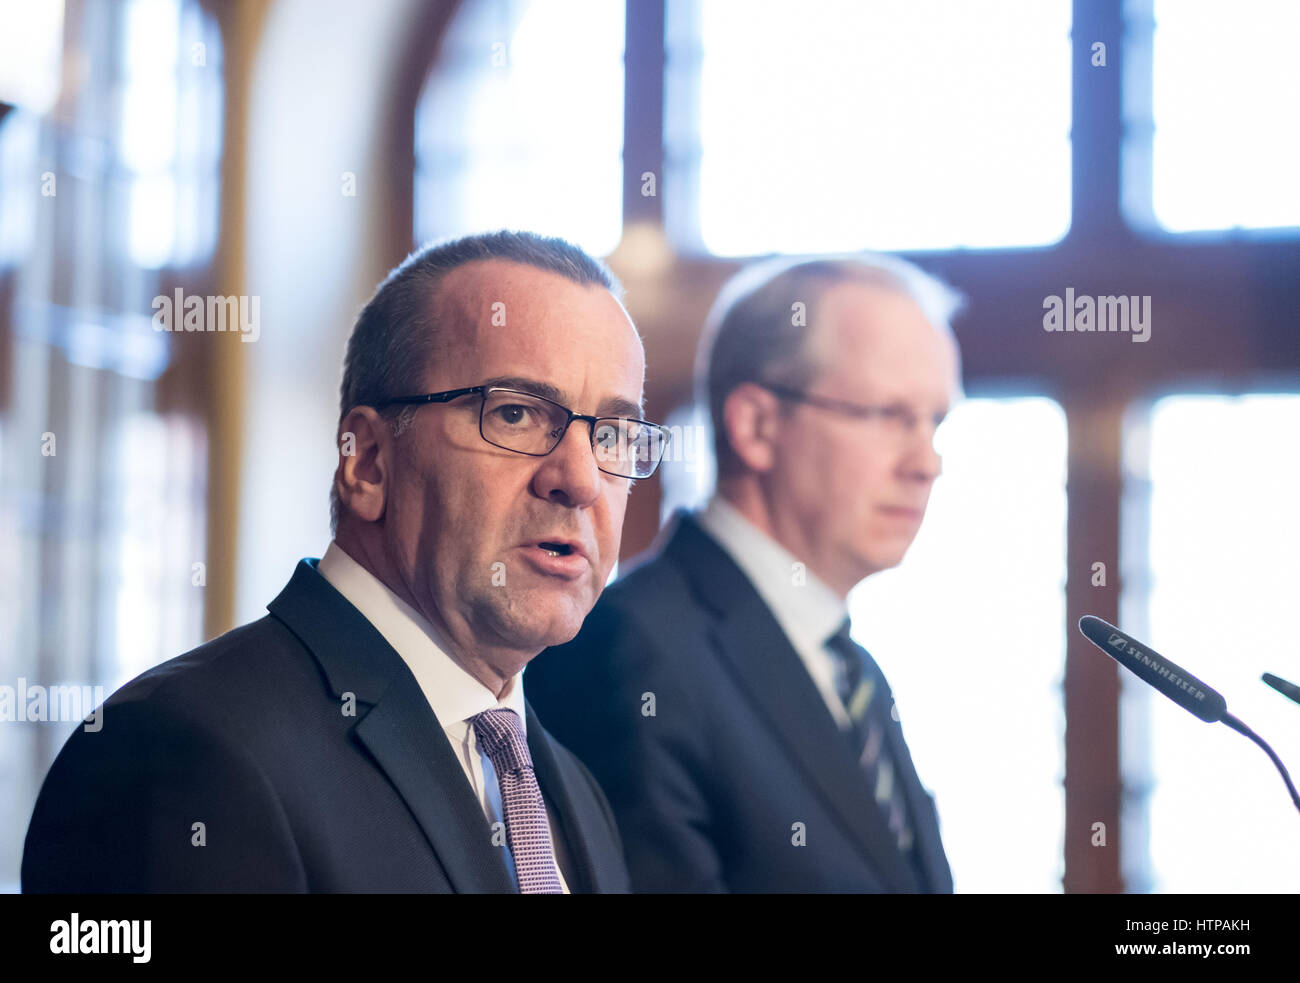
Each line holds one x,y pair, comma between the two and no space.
745,741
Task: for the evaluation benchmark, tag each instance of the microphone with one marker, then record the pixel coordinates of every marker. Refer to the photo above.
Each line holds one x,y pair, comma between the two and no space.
1282,686
1176,683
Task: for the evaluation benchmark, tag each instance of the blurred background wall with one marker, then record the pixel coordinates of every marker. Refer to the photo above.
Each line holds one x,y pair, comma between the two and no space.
157,484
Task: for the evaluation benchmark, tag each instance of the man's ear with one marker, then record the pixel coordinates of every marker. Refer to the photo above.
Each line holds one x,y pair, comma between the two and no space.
362,475
751,415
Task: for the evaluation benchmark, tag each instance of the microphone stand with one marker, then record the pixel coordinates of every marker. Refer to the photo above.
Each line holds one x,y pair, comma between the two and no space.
1241,728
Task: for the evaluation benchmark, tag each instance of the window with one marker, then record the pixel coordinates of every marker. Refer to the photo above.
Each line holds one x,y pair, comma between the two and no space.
521,123
897,125
30,53
1225,92
1214,535
169,149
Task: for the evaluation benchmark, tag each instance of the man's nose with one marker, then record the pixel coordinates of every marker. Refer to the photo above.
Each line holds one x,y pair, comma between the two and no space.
922,462
568,475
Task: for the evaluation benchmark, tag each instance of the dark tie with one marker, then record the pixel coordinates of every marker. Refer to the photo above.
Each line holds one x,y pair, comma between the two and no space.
501,735
865,694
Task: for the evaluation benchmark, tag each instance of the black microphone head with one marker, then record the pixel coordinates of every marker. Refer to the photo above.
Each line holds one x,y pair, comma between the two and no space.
1282,686
1175,682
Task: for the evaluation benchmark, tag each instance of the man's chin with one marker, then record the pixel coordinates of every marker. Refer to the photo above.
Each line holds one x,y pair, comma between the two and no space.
543,620
882,560
537,642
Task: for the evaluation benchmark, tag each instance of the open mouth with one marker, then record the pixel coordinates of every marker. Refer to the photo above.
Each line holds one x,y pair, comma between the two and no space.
556,549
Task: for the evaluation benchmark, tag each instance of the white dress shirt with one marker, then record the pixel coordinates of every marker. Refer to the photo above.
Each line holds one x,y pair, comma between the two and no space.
454,695
807,610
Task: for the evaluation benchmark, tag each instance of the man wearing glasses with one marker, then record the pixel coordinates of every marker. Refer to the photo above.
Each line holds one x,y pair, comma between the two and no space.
745,741
371,733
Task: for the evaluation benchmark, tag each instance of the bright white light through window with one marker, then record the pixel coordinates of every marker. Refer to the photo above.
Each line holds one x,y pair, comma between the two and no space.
31,53
970,632
1225,98
1224,537
895,125
149,101
171,109
149,127
521,126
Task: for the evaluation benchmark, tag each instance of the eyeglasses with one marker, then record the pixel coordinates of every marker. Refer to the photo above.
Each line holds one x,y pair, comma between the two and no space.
534,425
898,416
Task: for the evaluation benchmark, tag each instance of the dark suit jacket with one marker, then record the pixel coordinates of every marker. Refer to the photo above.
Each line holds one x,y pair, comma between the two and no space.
247,735
740,747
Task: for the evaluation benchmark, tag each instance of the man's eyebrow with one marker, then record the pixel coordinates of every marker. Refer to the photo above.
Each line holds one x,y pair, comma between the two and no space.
618,406
610,406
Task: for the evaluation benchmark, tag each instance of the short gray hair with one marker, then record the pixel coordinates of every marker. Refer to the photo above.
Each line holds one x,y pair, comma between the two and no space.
398,331
751,336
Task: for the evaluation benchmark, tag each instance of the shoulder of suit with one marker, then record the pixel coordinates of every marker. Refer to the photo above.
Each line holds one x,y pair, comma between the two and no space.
226,662
233,687
649,571
651,597
645,630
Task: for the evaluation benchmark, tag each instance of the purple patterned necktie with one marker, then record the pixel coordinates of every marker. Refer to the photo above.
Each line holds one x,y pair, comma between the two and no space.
501,736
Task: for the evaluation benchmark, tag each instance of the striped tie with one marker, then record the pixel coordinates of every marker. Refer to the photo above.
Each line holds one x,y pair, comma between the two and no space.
865,694
501,736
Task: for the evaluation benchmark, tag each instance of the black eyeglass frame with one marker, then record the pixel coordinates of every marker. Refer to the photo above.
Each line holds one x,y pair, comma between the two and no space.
841,405
483,391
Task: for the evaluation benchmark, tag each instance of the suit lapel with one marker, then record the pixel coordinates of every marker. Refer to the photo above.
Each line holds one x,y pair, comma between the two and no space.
397,726
920,807
769,670
406,739
582,878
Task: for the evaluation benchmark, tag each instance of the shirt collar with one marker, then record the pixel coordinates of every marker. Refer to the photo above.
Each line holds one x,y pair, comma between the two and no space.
809,612
453,694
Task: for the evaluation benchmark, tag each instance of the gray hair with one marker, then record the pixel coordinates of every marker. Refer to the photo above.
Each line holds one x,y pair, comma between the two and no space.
751,334
398,332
